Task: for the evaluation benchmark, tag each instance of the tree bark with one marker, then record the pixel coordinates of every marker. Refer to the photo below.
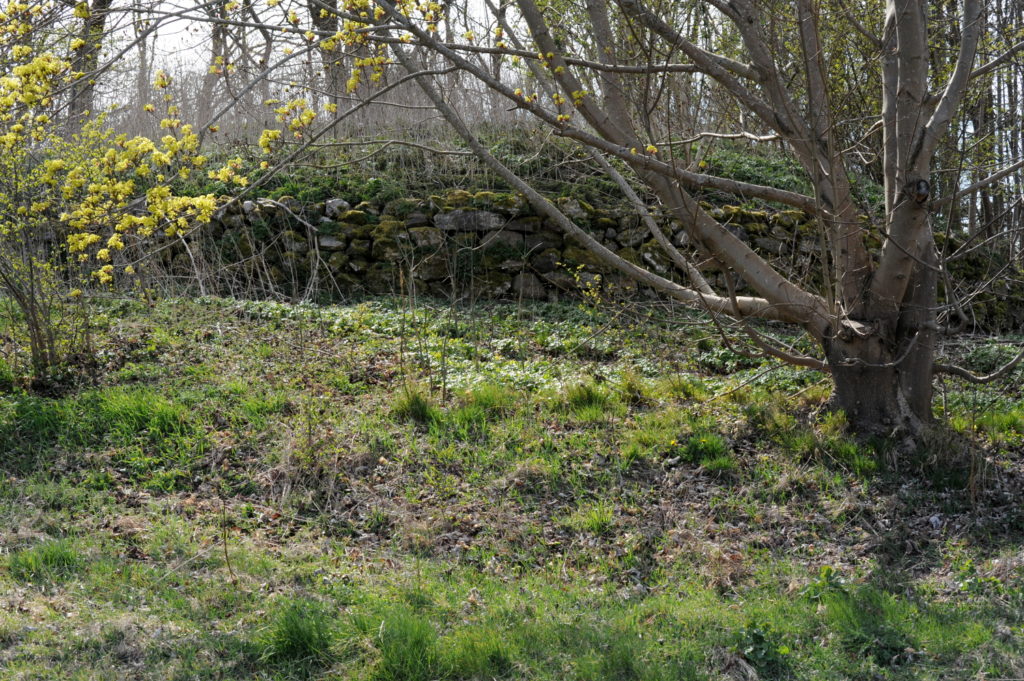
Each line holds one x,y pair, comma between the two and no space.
883,372
85,60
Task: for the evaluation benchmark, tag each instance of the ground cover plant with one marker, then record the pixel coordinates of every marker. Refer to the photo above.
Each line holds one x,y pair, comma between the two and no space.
401,490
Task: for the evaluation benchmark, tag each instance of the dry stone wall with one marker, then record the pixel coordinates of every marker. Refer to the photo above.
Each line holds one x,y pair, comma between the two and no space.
494,245
487,243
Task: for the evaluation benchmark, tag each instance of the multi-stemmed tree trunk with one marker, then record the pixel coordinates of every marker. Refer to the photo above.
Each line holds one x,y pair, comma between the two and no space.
85,60
875,315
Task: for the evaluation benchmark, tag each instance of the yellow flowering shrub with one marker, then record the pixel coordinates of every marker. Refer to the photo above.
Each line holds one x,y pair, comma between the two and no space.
87,198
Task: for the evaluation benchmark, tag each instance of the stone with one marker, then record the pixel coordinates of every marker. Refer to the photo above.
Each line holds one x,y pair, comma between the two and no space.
629,221
426,237
546,261
359,248
513,265
417,219
503,239
381,278
560,280
295,242
573,209
458,197
495,284
333,208
631,238
402,208
543,240
629,255
358,265
460,220
527,225
337,262
770,245
528,286
655,257
432,268
326,242
367,207
574,255
386,250
354,217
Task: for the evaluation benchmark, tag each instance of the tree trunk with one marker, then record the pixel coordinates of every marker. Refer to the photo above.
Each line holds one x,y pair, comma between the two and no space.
84,61
883,370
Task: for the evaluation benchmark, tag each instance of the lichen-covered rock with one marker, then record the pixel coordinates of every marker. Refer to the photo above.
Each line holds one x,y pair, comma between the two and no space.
575,255
334,208
525,225
527,285
235,221
574,209
628,221
426,237
327,242
294,242
468,221
434,267
358,266
512,241
367,207
457,198
770,245
631,238
354,217
337,262
417,219
654,256
546,261
629,255
382,278
386,250
544,240
496,284
359,248
390,229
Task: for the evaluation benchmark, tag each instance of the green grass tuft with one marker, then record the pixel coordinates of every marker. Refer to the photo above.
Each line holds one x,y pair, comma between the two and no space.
412,404
52,560
300,631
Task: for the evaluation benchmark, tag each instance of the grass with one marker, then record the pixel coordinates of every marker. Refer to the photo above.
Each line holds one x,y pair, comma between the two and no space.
51,560
336,501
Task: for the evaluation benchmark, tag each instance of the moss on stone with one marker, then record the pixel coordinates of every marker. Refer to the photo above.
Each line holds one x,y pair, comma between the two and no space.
354,217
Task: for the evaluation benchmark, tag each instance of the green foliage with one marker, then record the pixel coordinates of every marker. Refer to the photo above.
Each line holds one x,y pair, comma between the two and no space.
407,645
412,403
51,560
745,164
870,622
705,446
762,647
300,630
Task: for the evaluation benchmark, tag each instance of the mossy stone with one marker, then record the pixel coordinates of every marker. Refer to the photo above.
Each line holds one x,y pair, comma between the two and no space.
354,217
576,255
458,198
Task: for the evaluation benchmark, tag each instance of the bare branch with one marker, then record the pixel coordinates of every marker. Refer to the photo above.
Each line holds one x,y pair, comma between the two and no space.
992,65
960,372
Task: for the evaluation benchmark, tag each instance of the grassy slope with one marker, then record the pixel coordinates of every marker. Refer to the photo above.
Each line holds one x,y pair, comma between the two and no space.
260,491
